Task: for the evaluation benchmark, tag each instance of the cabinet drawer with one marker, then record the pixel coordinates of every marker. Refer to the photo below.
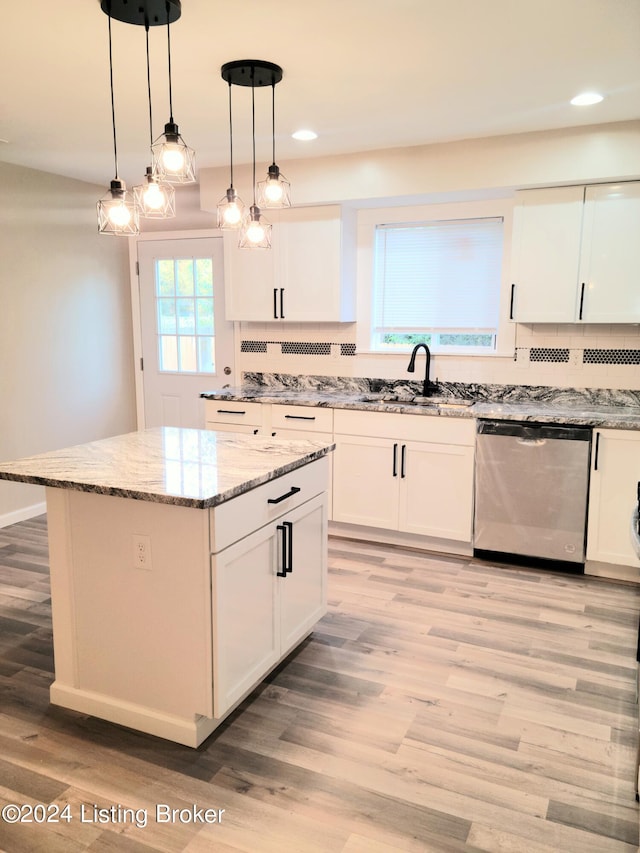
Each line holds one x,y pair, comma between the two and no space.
307,418
240,516
432,428
233,412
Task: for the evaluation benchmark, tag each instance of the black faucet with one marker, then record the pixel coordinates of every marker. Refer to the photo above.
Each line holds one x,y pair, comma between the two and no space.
427,386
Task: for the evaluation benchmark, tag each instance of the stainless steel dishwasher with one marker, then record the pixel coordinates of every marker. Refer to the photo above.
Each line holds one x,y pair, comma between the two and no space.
531,490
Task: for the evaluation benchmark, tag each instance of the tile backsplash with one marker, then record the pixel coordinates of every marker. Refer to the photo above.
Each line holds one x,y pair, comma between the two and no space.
565,356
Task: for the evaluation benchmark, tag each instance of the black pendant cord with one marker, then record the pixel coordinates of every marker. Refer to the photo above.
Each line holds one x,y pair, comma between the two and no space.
113,107
230,139
146,27
273,121
253,125
169,62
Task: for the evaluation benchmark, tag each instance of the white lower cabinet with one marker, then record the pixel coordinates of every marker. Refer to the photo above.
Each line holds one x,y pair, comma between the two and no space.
615,472
268,590
410,473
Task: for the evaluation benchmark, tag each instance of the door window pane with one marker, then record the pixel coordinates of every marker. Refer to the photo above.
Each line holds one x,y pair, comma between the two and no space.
168,352
185,315
206,357
167,316
165,282
204,277
188,363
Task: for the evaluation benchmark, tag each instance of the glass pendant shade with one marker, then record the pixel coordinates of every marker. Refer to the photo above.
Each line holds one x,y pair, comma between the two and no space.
173,160
275,191
153,199
230,211
117,212
256,231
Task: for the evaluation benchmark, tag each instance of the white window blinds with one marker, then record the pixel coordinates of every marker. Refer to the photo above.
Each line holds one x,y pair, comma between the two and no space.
437,276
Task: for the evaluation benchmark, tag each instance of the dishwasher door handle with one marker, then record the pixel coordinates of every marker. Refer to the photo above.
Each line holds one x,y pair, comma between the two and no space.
532,442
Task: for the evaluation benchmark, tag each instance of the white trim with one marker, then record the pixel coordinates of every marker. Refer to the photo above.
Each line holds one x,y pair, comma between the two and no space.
22,514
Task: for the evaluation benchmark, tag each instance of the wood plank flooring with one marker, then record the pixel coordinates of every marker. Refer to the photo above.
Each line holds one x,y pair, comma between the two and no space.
441,705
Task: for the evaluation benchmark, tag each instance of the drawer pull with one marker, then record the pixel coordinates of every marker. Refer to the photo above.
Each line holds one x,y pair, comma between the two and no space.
230,412
300,417
292,491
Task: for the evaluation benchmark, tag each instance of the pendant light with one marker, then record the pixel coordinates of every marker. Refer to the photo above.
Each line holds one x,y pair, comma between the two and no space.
255,232
117,212
231,206
154,199
173,160
275,191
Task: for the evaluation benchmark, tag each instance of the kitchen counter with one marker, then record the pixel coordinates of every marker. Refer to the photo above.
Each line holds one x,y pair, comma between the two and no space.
184,467
576,412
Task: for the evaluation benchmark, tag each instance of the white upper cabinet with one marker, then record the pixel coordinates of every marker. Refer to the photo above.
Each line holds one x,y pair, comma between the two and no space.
308,275
576,255
546,253
610,259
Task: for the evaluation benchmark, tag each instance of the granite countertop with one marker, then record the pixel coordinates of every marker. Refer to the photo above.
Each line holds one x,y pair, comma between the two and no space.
187,467
561,410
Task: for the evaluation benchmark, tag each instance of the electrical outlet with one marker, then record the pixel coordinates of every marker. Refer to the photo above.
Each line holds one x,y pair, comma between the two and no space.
141,552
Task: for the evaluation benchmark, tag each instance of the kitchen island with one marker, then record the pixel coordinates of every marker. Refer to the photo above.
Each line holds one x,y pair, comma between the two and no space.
185,565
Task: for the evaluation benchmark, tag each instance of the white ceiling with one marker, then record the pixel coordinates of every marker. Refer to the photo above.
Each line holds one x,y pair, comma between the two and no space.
364,74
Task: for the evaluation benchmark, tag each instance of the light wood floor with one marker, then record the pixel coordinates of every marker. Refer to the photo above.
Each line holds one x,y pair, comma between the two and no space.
441,705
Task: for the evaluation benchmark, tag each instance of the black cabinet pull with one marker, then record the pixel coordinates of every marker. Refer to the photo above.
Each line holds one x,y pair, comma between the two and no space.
288,525
275,303
402,461
282,303
230,412
300,417
395,460
581,301
513,290
283,552
597,450
292,491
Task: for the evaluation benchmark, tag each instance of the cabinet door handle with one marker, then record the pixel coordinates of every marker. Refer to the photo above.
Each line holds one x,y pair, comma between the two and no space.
581,301
288,525
403,456
282,303
283,552
597,450
275,303
395,460
230,412
513,290
300,417
292,491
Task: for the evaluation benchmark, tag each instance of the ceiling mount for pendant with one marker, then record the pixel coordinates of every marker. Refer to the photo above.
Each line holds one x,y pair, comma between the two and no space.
152,13
251,72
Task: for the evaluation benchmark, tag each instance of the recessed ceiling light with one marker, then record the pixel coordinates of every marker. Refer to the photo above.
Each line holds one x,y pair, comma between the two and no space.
305,135
586,99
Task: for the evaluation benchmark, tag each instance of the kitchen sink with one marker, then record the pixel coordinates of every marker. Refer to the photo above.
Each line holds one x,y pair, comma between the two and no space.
430,402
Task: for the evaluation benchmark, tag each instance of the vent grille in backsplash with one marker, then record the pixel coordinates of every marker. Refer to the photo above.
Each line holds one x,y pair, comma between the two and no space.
576,356
556,354
611,356
297,347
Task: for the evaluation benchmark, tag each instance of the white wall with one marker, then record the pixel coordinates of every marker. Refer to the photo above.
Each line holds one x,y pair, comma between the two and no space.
458,171
66,373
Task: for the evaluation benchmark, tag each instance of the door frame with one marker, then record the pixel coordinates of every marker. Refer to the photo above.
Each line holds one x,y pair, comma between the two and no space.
136,315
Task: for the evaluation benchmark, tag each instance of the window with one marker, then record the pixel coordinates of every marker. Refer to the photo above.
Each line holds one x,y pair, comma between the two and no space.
437,282
185,318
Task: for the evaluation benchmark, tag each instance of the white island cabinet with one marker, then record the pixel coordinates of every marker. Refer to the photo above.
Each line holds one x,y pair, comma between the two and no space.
185,564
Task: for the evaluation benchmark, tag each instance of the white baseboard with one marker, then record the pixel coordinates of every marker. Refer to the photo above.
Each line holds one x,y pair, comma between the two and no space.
22,514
